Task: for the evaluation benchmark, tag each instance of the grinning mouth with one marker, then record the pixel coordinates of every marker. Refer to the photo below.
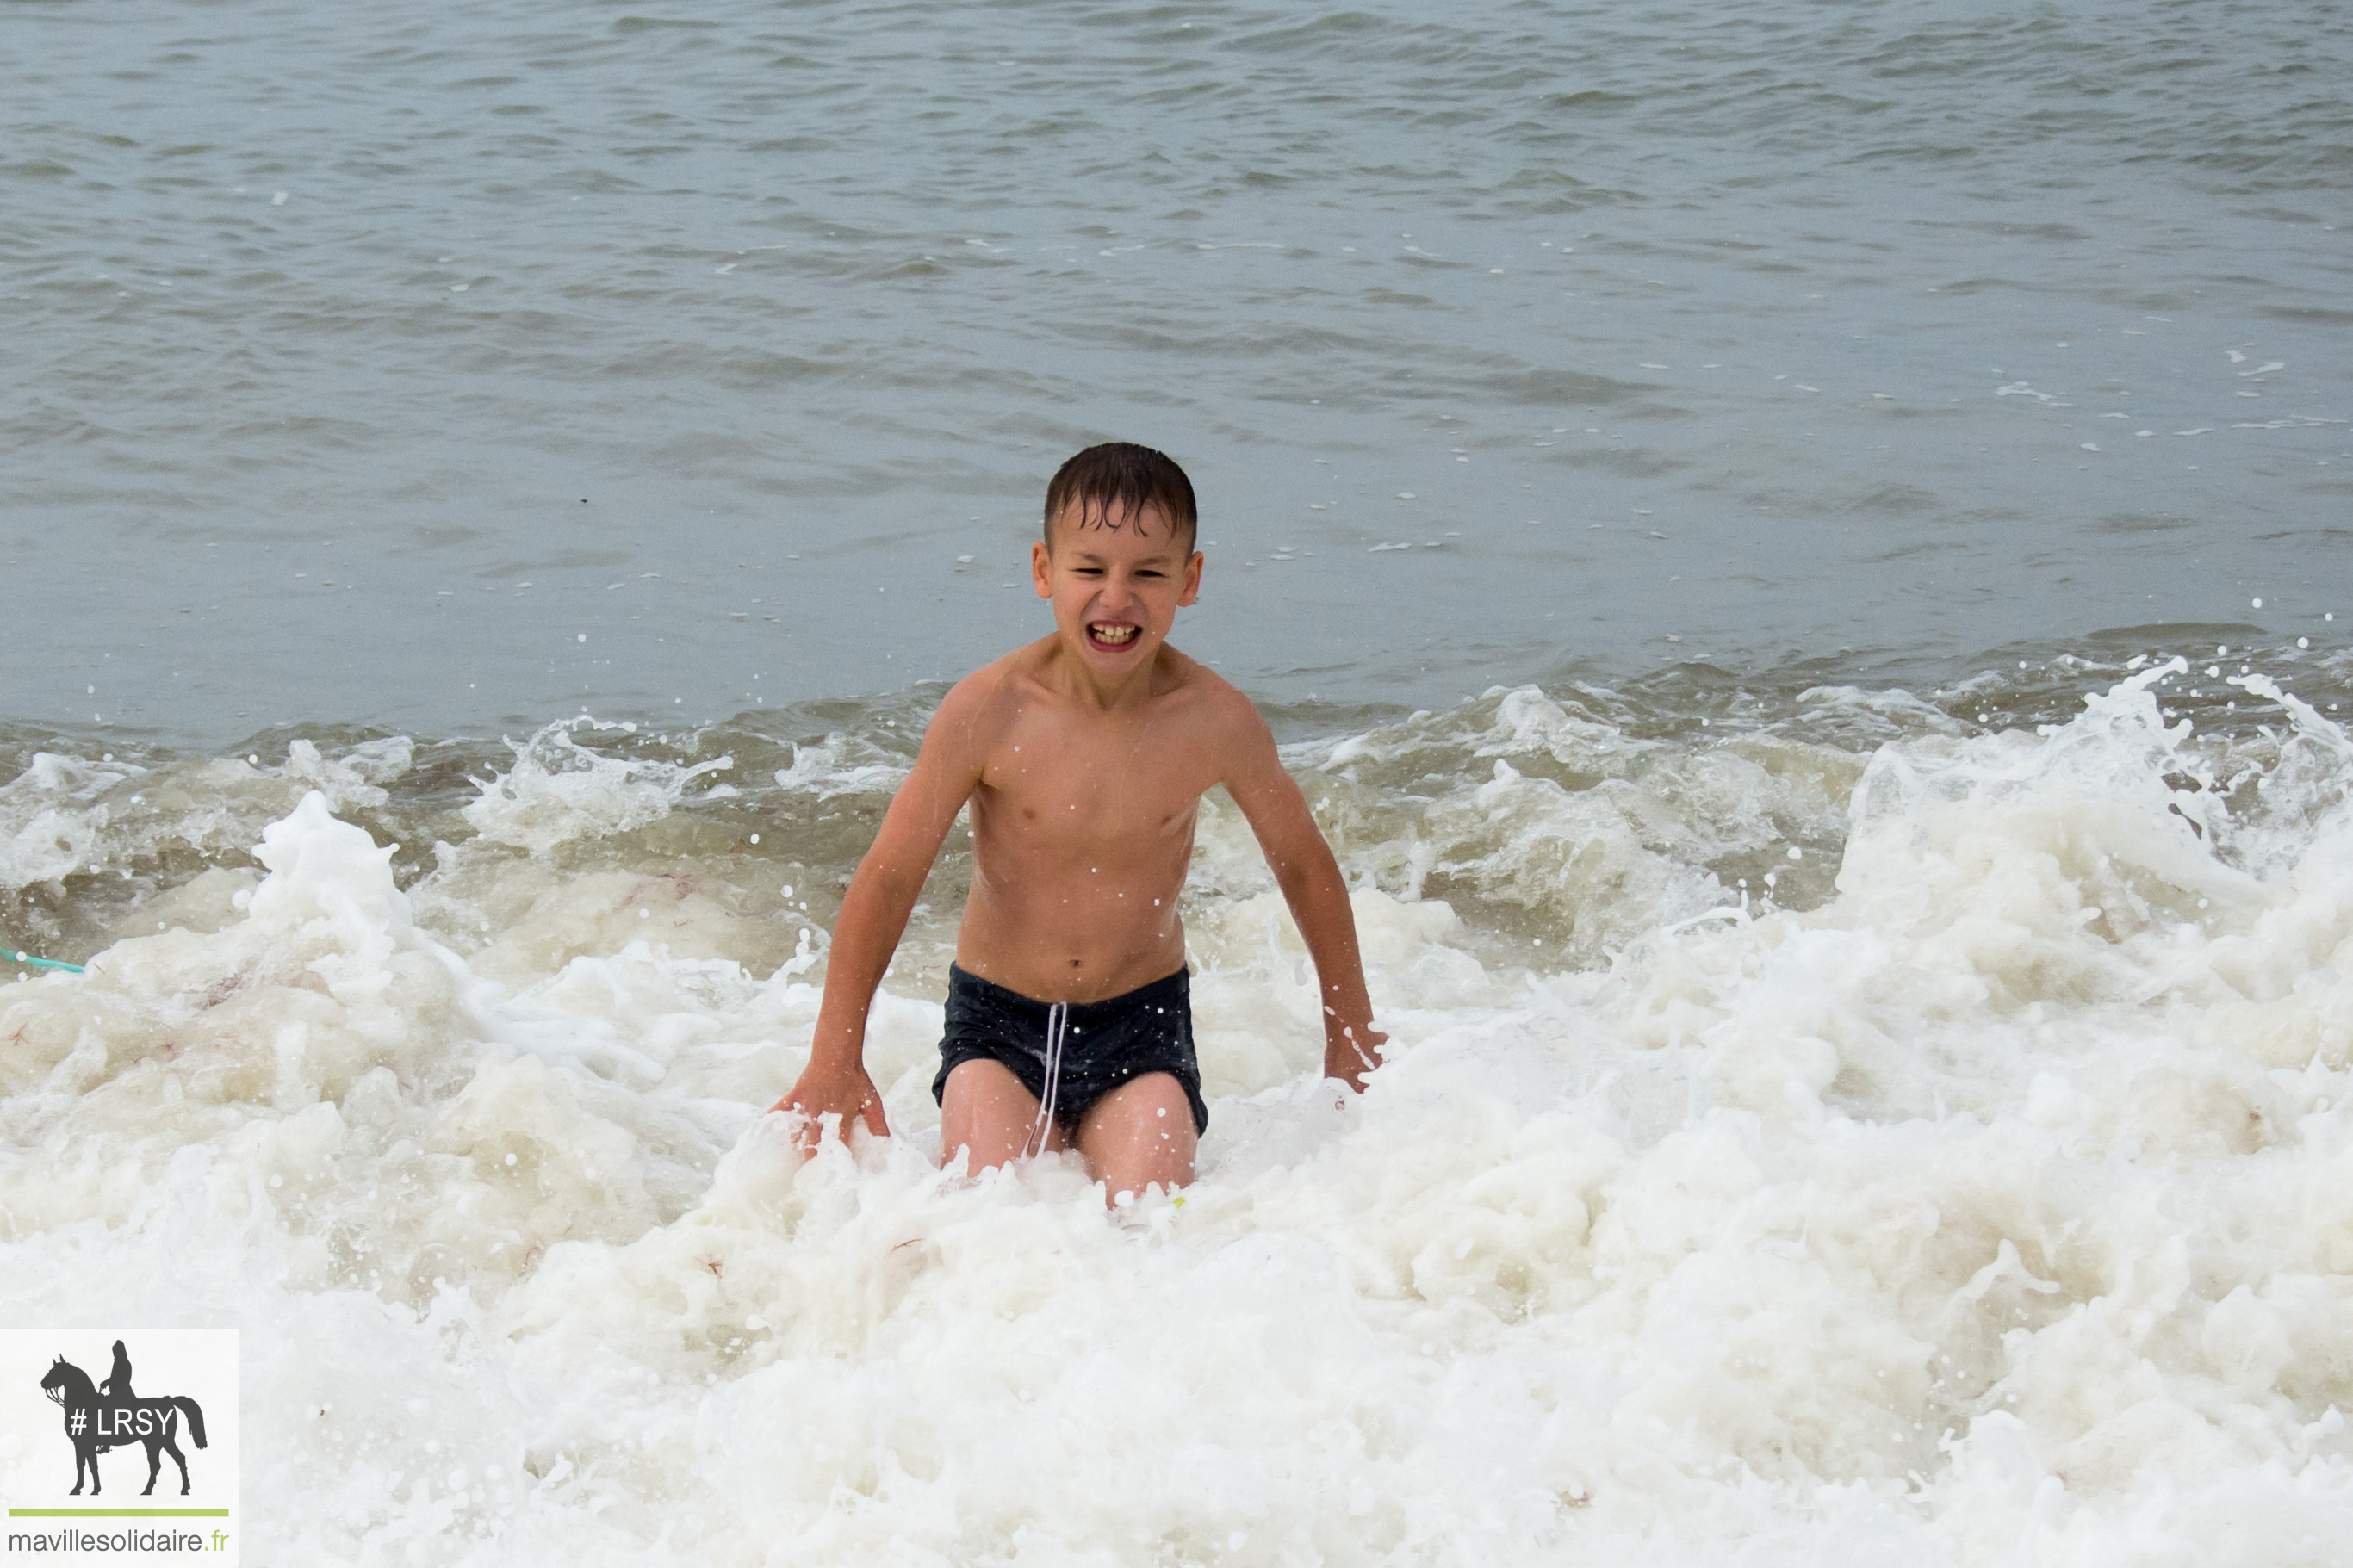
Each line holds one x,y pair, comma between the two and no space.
1110,634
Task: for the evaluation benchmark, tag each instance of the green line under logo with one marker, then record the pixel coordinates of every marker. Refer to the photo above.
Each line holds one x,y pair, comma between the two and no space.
117,1513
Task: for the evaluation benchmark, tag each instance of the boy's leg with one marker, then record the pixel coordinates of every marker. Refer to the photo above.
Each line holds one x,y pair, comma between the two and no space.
984,1108
1139,1133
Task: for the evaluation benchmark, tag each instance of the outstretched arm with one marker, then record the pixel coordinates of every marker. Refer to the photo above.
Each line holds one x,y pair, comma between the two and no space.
874,913
1318,896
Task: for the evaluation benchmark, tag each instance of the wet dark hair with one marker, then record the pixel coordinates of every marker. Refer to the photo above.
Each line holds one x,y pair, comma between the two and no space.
1111,486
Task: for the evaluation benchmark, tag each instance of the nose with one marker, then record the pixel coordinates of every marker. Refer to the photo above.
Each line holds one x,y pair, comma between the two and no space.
1118,593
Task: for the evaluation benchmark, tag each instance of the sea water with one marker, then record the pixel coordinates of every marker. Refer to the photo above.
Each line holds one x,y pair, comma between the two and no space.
1835,1131
1853,843
459,368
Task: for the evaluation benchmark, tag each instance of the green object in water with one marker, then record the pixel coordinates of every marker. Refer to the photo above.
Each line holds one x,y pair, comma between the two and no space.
39,963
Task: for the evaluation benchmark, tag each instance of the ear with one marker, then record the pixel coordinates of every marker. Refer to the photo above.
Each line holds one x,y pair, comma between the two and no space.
1041,568
1192,583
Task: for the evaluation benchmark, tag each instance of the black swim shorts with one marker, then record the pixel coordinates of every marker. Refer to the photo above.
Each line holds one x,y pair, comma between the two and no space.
1104,1043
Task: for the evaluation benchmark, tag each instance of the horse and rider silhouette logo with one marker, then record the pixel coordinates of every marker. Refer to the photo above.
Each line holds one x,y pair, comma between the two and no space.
112,1416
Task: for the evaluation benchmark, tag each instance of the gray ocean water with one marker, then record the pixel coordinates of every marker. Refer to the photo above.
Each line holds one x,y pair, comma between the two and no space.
1797,550
443,368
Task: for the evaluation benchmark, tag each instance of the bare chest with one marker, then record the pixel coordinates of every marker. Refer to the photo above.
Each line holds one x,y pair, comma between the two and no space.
1057,791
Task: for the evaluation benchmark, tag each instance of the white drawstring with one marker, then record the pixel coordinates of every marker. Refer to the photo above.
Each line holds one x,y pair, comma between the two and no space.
1058,1017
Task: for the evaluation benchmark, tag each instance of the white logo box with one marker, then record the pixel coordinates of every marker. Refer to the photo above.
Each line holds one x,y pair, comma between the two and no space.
121,1521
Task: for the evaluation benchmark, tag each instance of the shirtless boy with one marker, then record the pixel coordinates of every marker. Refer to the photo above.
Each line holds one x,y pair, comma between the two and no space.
1084,757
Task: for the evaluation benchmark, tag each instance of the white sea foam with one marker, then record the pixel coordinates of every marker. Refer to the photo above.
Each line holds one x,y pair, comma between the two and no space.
64,813
45,827
355,779
1994,1210
841,764
559,790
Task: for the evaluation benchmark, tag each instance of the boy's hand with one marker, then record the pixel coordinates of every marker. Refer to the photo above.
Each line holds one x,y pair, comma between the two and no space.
1351,1054
848,1095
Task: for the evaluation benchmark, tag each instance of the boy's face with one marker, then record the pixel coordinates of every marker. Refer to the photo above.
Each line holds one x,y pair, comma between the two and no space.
1115,589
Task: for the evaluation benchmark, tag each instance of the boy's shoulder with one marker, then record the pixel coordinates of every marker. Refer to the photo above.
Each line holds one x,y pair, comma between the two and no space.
998,689
1029,672
1211,695
1184,690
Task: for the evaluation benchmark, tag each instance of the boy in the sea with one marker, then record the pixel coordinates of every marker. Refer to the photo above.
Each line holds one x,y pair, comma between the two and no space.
1084,757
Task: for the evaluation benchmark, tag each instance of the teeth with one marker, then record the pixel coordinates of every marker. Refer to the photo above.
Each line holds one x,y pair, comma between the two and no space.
1113,634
